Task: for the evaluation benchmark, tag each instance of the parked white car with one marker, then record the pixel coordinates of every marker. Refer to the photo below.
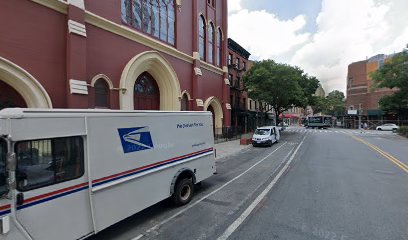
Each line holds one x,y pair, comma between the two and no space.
265,136
387,127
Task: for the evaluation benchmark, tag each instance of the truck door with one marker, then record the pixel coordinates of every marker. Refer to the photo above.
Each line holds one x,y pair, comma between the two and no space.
4,202
52,188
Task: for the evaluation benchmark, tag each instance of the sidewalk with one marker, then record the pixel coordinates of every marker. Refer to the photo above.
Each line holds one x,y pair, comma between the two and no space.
229,148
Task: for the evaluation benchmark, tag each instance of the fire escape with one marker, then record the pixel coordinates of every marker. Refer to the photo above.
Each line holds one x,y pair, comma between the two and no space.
237,88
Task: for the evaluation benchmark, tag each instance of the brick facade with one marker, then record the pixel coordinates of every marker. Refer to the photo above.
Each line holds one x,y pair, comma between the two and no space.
54,52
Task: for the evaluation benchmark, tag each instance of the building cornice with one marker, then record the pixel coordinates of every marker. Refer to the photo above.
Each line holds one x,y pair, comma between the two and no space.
359,87
57,5
212,68
126,32
135,36
235,47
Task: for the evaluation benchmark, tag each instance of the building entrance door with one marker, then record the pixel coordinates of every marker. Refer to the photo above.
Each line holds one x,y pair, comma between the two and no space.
9,97
146,93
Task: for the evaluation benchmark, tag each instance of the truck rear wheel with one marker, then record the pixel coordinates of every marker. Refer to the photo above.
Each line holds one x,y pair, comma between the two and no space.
183,193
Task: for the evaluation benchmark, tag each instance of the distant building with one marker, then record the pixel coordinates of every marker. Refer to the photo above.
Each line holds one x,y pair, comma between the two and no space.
259,114
293,115
360,95
320,91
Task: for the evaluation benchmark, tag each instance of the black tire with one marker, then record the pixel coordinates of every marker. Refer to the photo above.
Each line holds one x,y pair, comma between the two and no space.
379,129
183,192
270,143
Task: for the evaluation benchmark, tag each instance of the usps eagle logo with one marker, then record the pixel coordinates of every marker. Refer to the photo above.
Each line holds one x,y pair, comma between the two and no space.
135,139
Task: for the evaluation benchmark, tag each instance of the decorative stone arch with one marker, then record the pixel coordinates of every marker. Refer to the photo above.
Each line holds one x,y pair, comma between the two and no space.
104,77
209,23
188,98
219,30
161,70
185,92
216,105
205,19
25,84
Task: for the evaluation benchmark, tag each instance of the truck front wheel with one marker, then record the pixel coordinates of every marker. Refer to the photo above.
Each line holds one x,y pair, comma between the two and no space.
183,193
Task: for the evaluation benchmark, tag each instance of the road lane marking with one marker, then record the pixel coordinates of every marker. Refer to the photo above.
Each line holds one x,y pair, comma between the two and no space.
231,229
211,193
388,156
138,237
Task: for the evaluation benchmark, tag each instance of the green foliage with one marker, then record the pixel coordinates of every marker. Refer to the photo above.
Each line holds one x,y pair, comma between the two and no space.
309,84
333,104
403,131
319,104
393,74
279,85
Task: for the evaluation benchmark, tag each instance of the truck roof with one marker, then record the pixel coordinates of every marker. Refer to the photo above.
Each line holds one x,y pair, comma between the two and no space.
45,112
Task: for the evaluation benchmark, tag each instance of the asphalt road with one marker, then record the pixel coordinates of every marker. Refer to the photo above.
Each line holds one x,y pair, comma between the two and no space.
314,184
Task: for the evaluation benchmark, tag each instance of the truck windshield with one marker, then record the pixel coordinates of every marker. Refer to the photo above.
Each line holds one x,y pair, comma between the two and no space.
3,154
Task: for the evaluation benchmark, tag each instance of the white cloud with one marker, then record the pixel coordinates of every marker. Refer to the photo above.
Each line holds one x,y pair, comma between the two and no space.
347,31
234,5
345,34
264,35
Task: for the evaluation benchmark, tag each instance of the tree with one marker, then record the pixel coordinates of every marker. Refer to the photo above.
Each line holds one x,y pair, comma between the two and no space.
335,103
309,84
279,85
319,104
393,74
332,104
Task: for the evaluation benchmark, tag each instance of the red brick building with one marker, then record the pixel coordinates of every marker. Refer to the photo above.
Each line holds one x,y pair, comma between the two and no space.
360,95
117,54
237,66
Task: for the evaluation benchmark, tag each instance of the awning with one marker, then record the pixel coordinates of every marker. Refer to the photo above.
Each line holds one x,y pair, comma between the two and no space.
376,112
289,115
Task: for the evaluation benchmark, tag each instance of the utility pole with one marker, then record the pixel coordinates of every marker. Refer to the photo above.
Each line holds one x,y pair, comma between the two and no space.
359,116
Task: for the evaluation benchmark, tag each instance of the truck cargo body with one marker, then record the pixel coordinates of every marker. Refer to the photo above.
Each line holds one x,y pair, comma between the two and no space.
68,174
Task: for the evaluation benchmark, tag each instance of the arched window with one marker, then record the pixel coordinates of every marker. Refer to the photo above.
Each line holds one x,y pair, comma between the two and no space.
163,20
101,93
219,47
211,43
201,37
154,17
171,21
184,103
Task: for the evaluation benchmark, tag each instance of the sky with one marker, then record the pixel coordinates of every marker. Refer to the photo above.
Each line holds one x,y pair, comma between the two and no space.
320,36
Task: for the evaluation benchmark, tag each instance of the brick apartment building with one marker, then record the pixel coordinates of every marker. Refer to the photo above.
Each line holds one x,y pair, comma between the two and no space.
360,95
237,66
118,54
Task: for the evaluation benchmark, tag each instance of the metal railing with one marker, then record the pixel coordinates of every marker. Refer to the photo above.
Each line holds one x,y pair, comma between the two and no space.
371,124
225,134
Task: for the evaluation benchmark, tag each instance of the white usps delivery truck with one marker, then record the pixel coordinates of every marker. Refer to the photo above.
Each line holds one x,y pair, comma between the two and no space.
68,174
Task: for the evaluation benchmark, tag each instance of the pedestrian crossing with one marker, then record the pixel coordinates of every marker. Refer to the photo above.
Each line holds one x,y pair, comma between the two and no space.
338,131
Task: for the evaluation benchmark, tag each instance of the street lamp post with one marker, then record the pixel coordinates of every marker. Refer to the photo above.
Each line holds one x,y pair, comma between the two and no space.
257,109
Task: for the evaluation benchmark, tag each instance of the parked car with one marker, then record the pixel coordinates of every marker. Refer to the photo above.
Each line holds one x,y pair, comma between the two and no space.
387,127
265,136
